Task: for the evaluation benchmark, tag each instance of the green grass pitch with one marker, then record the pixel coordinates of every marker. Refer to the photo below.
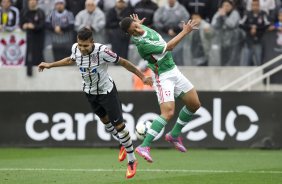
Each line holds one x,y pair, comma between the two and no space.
100,166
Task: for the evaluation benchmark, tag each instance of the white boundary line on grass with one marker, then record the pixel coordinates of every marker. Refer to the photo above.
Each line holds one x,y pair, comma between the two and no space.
139,170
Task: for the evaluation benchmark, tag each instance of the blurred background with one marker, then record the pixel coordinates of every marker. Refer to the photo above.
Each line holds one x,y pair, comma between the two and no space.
234,61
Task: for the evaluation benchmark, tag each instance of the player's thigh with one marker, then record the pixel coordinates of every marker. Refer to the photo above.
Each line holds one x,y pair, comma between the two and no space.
97,108
191,100
182,85
111,103
164,88
185,90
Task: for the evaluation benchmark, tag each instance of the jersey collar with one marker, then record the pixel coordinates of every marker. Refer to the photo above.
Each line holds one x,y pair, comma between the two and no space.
142,36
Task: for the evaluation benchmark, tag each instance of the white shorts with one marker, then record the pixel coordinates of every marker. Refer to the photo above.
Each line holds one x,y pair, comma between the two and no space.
170,85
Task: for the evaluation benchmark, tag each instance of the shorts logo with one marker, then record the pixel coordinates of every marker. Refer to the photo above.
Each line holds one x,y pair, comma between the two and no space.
167,93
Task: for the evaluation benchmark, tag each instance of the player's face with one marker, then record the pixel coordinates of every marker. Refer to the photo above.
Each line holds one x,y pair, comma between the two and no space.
85,46
135,29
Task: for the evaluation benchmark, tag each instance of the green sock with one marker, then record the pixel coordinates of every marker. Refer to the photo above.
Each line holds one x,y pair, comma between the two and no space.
183,118
155,129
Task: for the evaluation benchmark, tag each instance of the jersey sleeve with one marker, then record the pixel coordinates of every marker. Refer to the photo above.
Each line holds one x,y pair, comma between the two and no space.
108,55
73,51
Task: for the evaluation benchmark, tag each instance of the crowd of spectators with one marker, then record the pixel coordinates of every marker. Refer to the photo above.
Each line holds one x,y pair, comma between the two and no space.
230,31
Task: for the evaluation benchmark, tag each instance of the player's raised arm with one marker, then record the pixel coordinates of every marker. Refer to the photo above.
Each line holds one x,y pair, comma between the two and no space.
187,28
132,68
136,18
63,62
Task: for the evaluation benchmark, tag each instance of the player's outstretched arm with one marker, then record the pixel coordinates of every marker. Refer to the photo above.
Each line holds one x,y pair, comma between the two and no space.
132,68
136,18
64,62
187,28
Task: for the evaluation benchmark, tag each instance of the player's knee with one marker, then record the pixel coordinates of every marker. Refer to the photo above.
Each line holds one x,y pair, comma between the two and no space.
104,119
195,106
119,127
168,115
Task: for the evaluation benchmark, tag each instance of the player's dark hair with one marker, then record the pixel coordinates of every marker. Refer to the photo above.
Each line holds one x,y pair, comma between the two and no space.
85,34
125,23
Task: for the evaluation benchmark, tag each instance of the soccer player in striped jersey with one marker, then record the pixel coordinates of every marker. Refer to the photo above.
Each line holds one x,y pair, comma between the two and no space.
169,82
92,60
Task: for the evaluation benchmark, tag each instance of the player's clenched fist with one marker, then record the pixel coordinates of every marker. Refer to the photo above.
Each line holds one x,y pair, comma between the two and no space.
43,65
148,81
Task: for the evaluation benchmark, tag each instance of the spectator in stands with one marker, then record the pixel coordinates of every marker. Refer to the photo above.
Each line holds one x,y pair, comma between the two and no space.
138,85
46,5
254,23
146,9
227,38
61,24
9,16
75,6
21,4
200,7
278,24
33,21
93,18
115,35
198,43
213,8
168,21
268,6
240,6
105,5
132,3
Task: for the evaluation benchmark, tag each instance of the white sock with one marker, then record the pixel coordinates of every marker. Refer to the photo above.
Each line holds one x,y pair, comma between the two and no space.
127,143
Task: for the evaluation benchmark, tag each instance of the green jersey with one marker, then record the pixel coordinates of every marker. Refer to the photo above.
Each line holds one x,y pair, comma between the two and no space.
151,47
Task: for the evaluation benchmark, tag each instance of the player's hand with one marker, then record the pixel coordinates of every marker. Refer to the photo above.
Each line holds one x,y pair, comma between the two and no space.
148,81
136,18
43,65
189,26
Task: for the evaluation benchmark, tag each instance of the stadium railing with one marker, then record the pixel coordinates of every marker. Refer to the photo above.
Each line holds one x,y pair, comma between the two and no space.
255,80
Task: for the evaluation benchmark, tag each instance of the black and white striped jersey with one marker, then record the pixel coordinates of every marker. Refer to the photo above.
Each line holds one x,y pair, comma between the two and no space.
93,68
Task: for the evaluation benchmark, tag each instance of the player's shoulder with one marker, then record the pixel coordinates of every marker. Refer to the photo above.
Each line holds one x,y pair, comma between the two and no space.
99,47
74,47
104,51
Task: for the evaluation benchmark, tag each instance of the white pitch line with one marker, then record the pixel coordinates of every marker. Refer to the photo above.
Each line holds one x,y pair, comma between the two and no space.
139,170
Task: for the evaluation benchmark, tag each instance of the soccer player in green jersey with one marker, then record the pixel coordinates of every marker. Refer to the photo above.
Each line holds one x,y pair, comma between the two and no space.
169,82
